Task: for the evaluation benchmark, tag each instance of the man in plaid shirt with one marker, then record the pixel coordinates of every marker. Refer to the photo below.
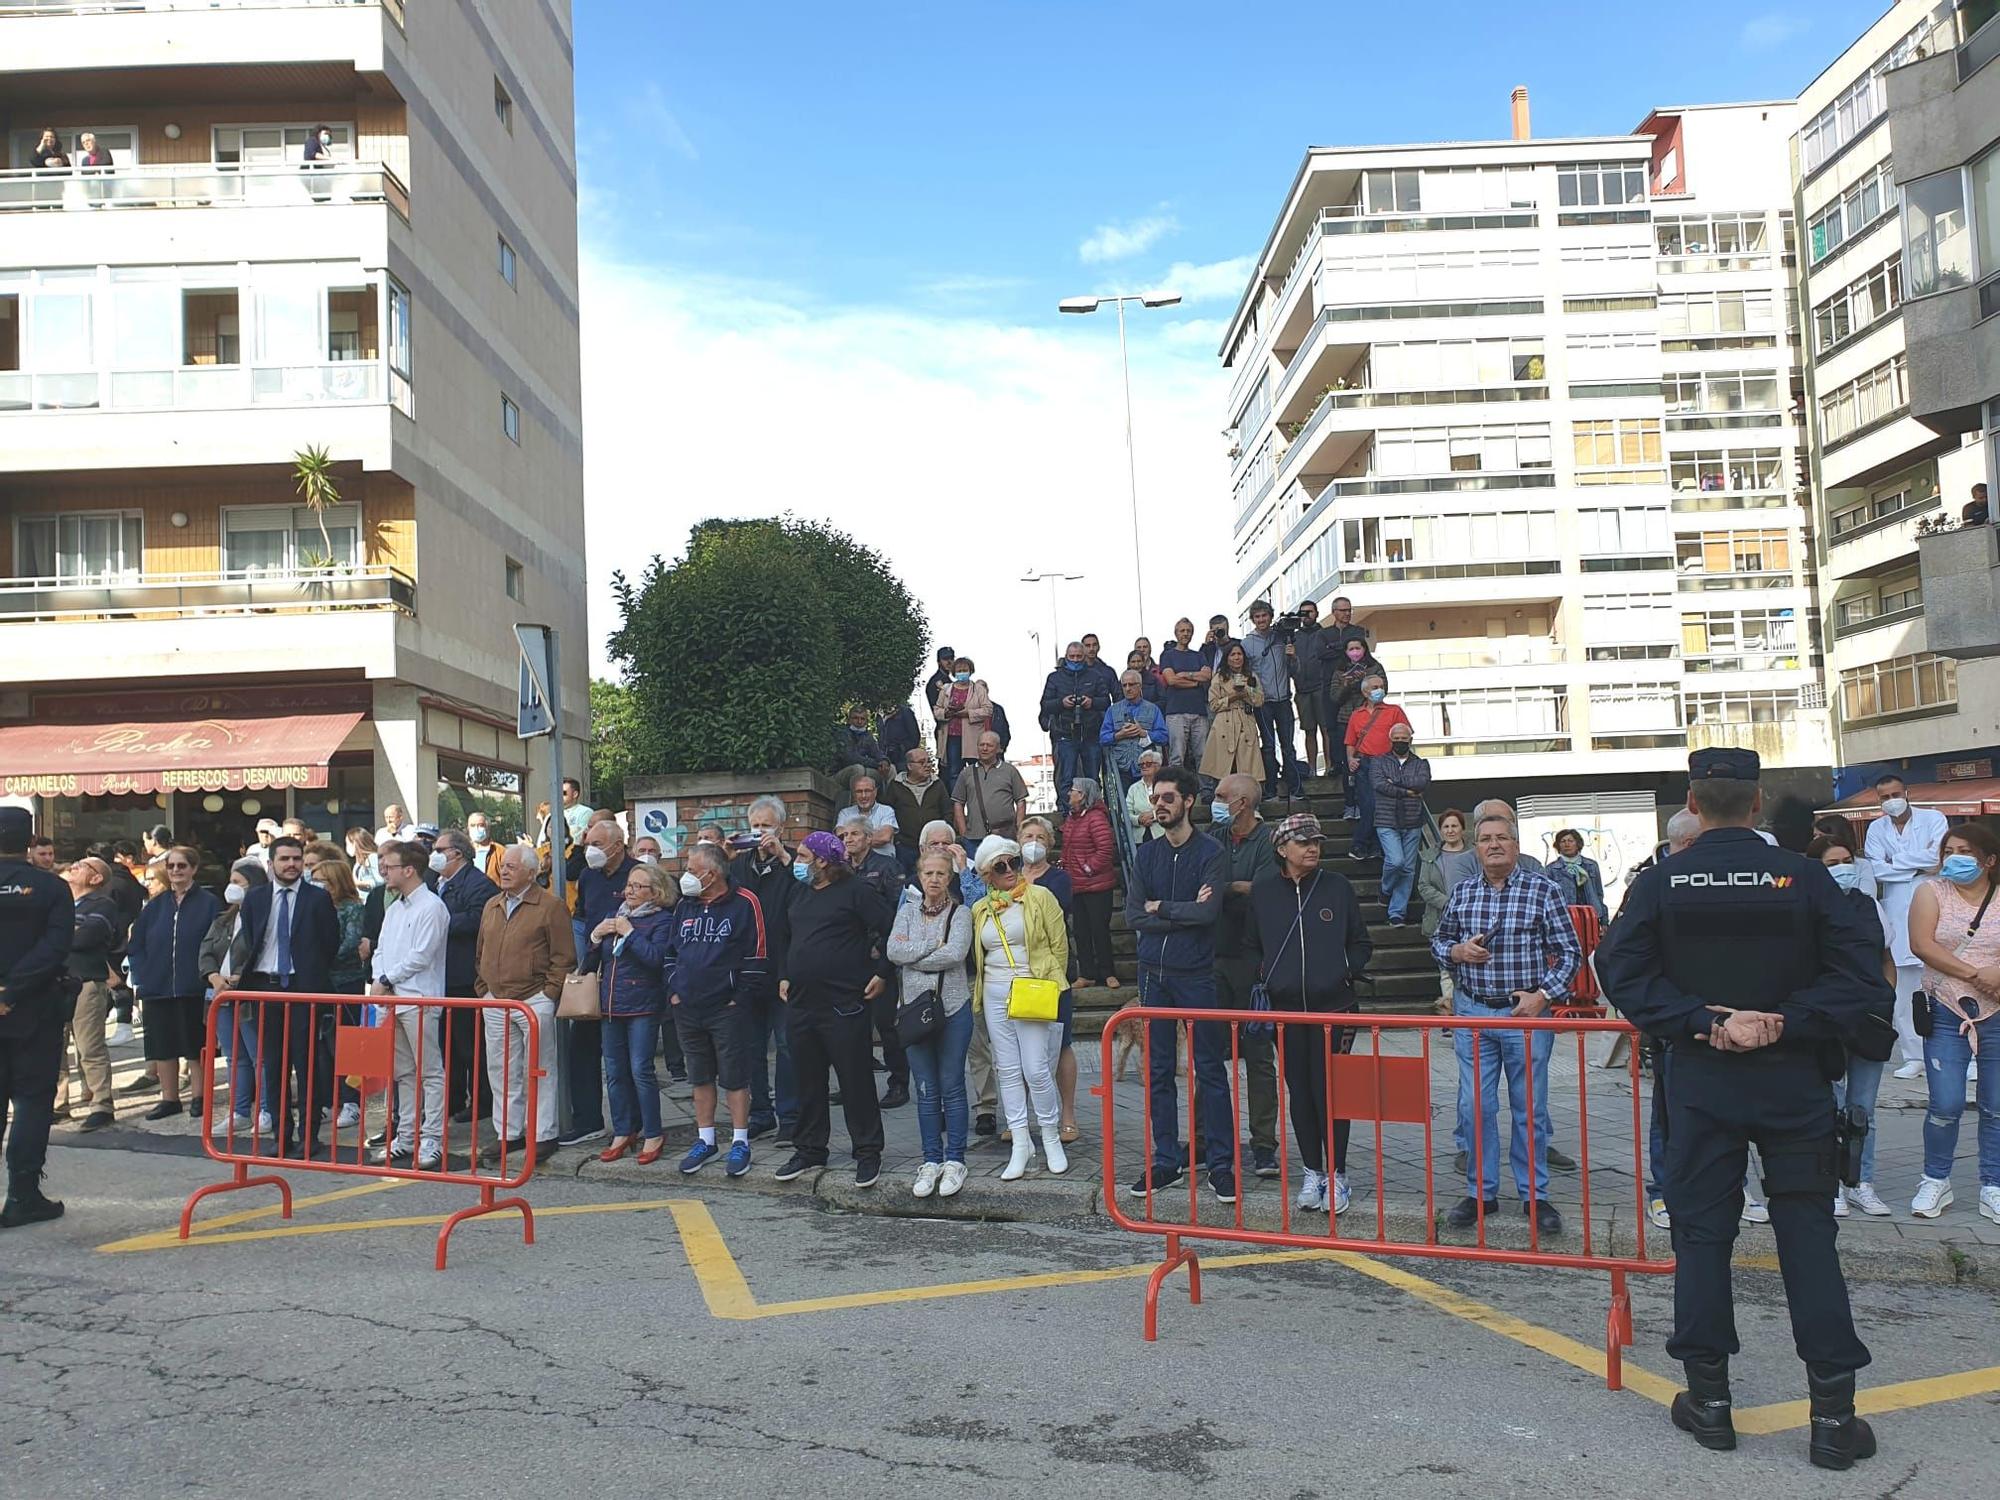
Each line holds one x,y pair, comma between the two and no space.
1512,950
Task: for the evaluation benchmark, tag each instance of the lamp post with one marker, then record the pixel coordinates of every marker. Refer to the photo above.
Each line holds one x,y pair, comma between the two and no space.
1090,305
1051,579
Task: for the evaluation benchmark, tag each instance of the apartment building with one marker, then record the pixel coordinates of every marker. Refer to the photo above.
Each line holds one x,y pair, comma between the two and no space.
1903,365
1529,404
193,291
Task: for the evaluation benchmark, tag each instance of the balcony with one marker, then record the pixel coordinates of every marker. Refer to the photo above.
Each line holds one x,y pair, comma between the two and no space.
98,39
201,185
12,9
1961,574
348,382
185,596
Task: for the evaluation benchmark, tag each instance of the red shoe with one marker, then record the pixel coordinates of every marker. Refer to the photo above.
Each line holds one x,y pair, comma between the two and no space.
616,1149
647,1158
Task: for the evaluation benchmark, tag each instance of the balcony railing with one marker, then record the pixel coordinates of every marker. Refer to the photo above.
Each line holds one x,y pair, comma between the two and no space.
134,7
1847,625
201,185
346,382
1699,582
196,595
1535,654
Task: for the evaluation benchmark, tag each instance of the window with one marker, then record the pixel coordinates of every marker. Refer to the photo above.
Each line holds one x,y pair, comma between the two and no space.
1628,618
1634,707
503,105
1902,685
1735,552
1740,639
1984,194
1742,706
1906,493
1892,598
1637,302
1587,184
1455,364
1727,469
506,261
1403,540
1701,314
1859,305
81,547
1870,398
1937,244
1605,253
510,419
263,145
1387,312
517,581
1616,442
1712,242
286,539
1489,714
400,369
1254,480
1852,212
1444,450
1719,391
1857,106
1622,532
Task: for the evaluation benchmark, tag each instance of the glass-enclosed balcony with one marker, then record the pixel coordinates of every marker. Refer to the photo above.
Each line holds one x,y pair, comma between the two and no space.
201,185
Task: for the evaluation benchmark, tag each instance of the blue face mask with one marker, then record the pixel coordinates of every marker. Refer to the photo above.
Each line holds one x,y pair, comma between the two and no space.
1073,666
802,871
961,677
1376,695
1847,876
1218,813
1960,869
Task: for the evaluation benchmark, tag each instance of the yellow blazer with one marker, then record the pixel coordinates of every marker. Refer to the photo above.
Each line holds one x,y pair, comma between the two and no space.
1048,940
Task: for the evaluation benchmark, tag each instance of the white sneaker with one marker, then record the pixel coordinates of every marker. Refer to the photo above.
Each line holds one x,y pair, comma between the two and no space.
1657,1215
951,1179
350,1116
1989,1203
1933,1198
1313,1194
1909,1070
1839,1204
1865,1198
1755,1212
264,1126
1053,1153
927,1180
430,1158
118,1036
1341,1196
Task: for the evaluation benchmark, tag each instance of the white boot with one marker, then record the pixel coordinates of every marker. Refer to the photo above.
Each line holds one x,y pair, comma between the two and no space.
1024,1152
1052,1149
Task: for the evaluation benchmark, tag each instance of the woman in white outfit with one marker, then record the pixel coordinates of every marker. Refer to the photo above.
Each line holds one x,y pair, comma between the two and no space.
1017,933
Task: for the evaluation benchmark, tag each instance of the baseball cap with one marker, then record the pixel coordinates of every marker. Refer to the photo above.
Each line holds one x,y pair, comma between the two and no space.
1723,763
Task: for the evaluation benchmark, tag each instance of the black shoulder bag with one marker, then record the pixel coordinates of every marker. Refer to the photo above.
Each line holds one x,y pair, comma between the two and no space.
1920,1002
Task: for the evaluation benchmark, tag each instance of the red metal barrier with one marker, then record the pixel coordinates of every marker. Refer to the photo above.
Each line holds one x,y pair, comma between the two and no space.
1585,998
334,1049
1383,1089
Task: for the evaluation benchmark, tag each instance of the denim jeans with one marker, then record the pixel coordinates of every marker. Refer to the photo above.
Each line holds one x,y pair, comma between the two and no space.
1945,1055
1211,1071
1399,867
1361,792
1074,758
1858,1088
629,1075
767,1018
1281,762
937,1072
954,758
236,1033
1510,1050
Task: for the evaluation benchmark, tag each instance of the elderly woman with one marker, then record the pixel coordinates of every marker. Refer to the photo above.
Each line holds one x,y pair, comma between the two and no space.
1017,935
964,711
1577,874
165,956
630,952
838,924
1090,858
1234,697
1139,797
1038,837
235,1032
940,835
928,945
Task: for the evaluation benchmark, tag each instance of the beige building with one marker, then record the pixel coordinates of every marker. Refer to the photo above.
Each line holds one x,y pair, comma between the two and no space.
213,291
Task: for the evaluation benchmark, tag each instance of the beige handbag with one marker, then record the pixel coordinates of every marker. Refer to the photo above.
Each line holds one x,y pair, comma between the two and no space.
579,999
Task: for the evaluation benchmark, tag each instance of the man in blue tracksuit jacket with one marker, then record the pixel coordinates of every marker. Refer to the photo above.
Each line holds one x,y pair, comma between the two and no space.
1172,902
720,958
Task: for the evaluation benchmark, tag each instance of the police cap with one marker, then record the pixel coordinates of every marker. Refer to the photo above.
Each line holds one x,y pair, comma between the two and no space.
1724,764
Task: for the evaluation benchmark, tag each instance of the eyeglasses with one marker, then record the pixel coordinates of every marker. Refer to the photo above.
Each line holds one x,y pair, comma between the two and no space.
179,865
1004,866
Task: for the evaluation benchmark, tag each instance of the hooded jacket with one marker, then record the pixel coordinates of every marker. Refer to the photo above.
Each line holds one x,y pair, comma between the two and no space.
1308,939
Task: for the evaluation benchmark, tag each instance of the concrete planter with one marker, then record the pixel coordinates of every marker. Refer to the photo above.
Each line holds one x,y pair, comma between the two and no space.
671,808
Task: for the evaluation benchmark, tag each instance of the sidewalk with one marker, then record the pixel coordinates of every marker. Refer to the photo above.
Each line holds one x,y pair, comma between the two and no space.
1959,1245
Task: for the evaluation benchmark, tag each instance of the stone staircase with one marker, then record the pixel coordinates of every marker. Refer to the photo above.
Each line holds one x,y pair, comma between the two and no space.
1405,978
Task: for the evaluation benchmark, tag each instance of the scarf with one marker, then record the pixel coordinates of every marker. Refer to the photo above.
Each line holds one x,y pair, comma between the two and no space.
1003,899
643,909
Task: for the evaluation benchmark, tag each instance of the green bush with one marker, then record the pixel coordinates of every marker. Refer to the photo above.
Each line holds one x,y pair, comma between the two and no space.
744,655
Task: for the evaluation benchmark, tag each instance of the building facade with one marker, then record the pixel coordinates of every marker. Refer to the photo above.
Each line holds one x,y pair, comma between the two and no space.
193,293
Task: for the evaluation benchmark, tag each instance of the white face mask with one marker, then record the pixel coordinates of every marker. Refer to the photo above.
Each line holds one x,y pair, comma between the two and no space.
595,857
690,883
478,834
233,895
649,859
439,859
1895,807
1034,851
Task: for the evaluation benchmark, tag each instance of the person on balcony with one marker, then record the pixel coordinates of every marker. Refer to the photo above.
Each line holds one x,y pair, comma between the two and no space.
48,152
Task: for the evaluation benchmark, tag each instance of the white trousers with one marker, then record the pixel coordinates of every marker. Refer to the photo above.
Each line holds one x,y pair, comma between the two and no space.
417,1040
508,1046
1024,1058
1909,979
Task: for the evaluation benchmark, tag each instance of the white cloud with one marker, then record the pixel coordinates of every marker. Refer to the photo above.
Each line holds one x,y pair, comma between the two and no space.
1773,29
1121,241
657,124
967,450
1215,281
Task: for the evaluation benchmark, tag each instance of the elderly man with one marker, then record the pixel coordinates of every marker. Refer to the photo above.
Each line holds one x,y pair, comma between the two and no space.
463,886
1513,952
1074,699
1493,807
1139,797
646,849
525,951
411,959
394,822
1903,845
719,949
765,871
1247,843
600,889
1131,725
989,797
93,954
884,874
873,811
1400,779
485,853
917,796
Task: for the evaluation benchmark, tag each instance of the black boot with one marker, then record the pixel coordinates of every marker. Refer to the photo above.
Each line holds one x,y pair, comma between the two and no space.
26,1205
1839,1437
1703,1408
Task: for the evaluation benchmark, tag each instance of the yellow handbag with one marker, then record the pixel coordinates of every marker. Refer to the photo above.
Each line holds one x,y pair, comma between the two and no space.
1028,999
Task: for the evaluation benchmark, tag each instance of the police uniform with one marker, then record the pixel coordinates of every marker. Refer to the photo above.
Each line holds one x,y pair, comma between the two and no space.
37,919
1734,922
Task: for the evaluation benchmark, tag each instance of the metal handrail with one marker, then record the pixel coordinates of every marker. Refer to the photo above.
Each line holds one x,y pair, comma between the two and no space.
202,185
232,592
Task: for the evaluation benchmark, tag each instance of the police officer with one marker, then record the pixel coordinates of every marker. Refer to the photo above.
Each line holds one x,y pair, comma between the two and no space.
1747,961
37,919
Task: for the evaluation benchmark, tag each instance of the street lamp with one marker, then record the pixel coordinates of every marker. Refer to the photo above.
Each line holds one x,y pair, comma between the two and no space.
1051,579
1090,305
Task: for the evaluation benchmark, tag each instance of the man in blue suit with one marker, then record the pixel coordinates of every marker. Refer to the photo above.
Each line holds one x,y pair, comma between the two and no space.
287,941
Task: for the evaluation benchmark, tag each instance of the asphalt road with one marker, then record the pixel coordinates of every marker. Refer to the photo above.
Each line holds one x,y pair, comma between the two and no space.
340,1362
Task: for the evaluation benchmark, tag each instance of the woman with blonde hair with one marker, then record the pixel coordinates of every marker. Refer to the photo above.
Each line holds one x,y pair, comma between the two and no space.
928,944
361,851
1018,936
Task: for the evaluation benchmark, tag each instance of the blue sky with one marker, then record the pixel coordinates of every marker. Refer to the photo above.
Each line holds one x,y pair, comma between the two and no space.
822,247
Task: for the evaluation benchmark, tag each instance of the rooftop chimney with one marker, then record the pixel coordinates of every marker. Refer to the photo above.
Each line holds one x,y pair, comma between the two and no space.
1520,100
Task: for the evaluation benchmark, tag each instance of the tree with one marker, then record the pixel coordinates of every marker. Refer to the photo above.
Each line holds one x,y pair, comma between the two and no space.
613,725
744,655
312,472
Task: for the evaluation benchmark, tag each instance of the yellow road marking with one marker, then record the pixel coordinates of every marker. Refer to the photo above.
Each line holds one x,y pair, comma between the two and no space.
1782,1416
155,1238
169,1239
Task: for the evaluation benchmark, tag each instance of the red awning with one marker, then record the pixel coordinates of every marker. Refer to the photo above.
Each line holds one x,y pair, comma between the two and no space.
174,755
1955,799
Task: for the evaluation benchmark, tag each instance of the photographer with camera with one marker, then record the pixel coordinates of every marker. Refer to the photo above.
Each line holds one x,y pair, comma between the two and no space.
1073,703
1272,651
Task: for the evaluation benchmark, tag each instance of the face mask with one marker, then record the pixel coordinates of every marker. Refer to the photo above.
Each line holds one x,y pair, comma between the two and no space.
478,835
1034,852
1376,695
1219,814
1401,747
690,883
1895,807
1354,657
1960,869
596,858
233,895
439,859
802,871
1847,876
1073,666
961,677
649,859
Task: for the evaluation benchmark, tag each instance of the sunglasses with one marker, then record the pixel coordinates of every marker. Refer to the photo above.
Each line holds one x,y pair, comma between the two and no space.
179,865
1004,866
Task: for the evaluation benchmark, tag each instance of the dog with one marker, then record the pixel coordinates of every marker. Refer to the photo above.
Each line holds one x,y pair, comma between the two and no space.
1127,1042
